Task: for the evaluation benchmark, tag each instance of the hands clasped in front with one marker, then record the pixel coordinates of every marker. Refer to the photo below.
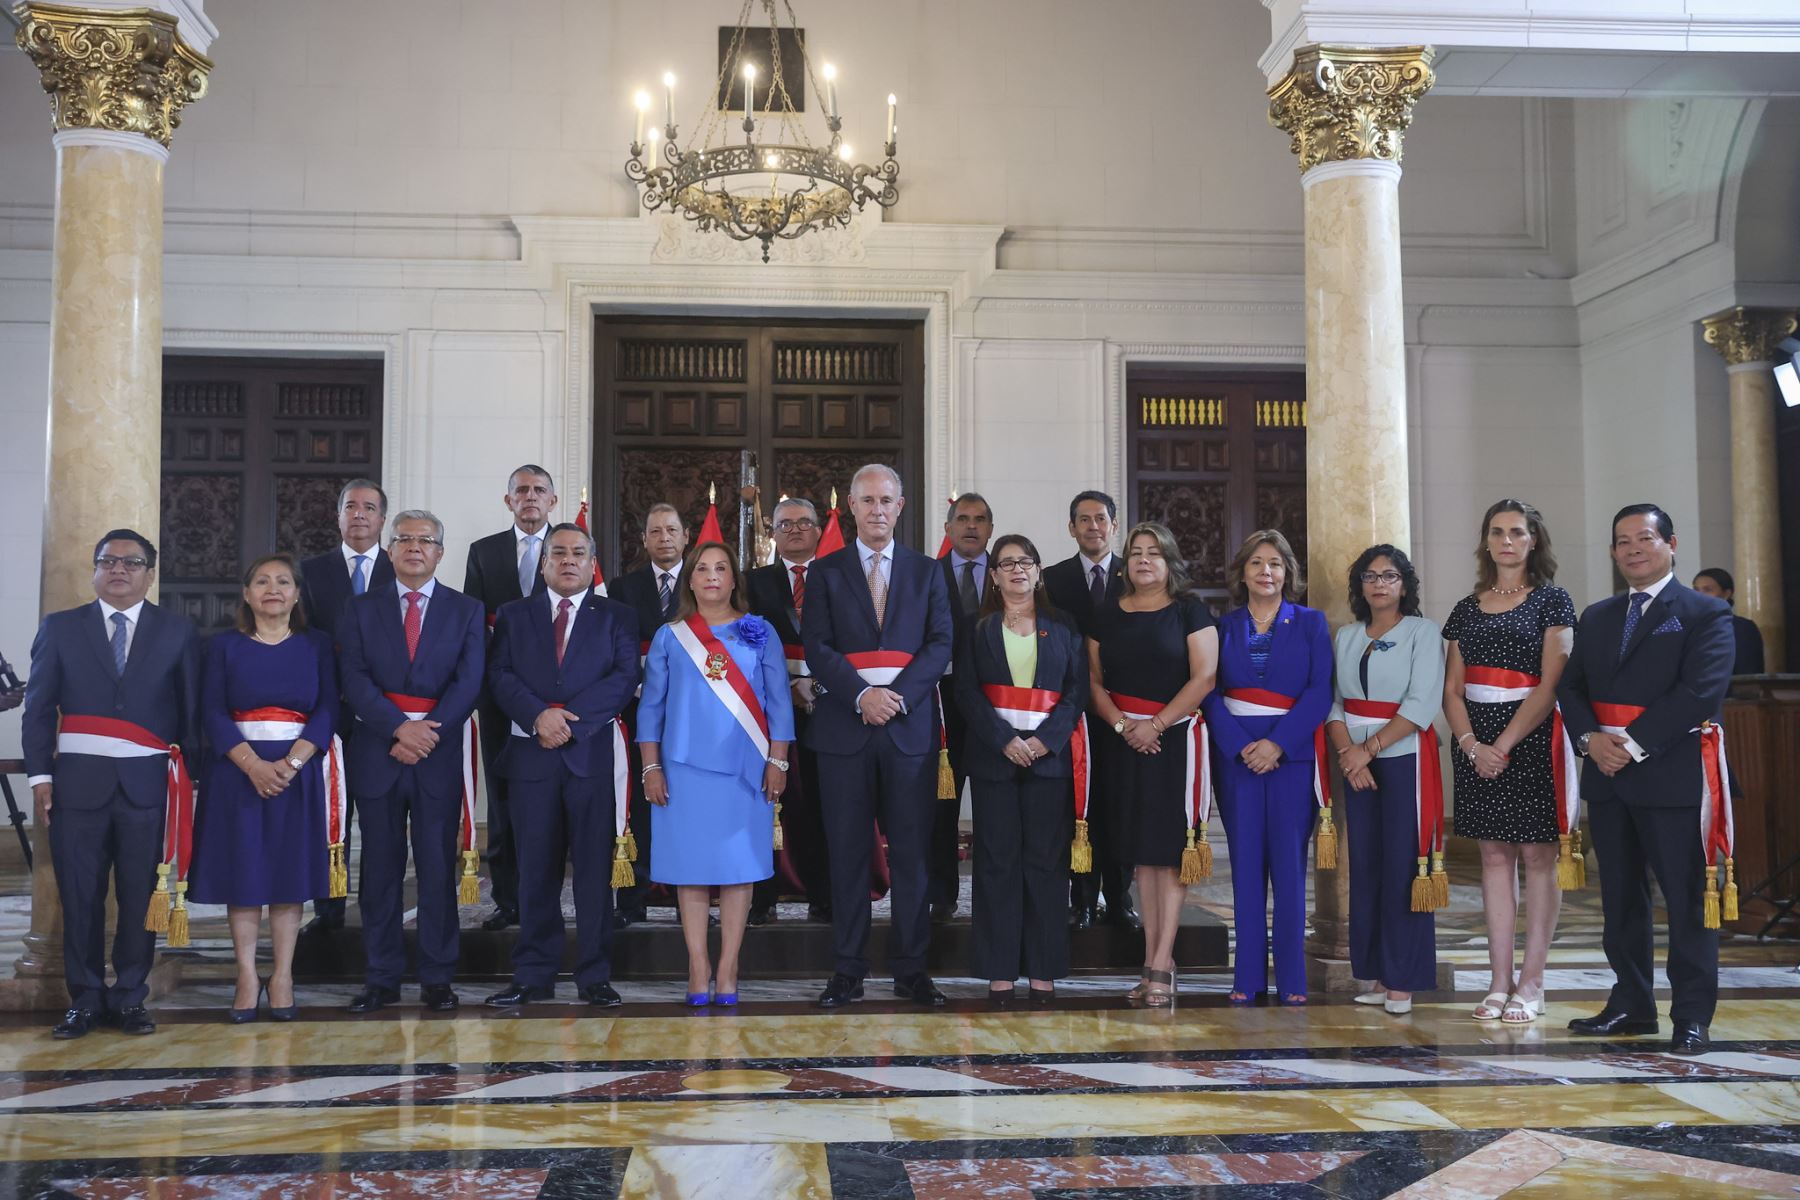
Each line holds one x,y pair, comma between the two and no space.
414,740
1261,756
552,728
1608,752
1022,752
879,705
269,778
1353,761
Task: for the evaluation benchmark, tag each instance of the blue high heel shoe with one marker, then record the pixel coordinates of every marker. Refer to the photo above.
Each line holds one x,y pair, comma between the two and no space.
724,1000
285,1013
243,1016
700,999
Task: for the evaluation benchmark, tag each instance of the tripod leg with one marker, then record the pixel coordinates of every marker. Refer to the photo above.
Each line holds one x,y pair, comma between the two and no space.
18,820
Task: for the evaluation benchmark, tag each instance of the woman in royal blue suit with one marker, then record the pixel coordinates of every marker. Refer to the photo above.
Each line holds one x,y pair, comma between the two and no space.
1273,693
1022,683
714,784
268,701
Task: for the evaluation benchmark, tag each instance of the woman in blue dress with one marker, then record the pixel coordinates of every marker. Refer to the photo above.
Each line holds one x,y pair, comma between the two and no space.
1265,715
715,723
268,701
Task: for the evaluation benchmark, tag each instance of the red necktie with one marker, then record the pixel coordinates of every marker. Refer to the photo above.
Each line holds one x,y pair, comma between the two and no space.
799,588
413,621
561,628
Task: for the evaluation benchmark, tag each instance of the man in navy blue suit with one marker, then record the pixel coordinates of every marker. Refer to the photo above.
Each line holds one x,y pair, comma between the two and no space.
1648,670
562,666
328,582
878,636
113,685
412,655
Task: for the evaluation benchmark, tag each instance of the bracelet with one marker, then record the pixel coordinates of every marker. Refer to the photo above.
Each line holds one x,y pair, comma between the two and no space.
649,767
1459,741
1156,724
1376,738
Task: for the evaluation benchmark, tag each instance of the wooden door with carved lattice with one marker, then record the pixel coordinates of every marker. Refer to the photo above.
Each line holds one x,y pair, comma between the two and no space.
677,403
1216,457
254,453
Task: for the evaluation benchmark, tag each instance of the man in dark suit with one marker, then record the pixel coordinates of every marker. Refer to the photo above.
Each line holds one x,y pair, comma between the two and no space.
878,636
1079,586
327,582
777,593
969,525
501,568
1647,671
412,654
651,592
1717,581
563,665
113,685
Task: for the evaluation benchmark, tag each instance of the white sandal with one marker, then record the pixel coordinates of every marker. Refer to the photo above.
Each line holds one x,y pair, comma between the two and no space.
1378,996
1491,1008
1520,1011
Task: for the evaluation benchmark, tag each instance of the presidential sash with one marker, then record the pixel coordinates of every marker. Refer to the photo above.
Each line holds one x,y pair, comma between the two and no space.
796,661
1260,702
1197,787
286,725
1431,887
724,678
1492,685
417,708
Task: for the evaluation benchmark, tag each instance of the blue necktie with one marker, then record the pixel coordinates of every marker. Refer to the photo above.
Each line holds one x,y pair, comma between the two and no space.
359,582
118,642
1632,614
528,566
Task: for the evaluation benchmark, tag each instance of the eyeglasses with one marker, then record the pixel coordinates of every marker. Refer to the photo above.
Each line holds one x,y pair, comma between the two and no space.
800,523
413,539
1388,577
107,562
1015,564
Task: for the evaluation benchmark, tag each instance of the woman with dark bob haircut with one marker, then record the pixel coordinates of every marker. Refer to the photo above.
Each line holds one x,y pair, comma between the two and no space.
1390,685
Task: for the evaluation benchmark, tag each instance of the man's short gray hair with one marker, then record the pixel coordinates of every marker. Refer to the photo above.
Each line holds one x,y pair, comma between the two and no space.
420,514
876,468
797,502
357,485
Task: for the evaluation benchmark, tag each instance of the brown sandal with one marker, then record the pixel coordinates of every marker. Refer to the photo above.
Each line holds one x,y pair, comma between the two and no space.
1160,990
1137,993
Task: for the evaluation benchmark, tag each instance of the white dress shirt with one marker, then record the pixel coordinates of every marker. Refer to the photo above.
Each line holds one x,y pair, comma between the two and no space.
552,599
429,586
788,565
957,562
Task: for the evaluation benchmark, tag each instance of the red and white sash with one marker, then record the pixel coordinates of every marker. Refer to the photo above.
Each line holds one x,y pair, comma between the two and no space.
1428,772
1718,826
109,737
1260,702
417,708
1492,685
286,725
1081,758
878,668
1197,788
1022,708
796,661
724,678
621,778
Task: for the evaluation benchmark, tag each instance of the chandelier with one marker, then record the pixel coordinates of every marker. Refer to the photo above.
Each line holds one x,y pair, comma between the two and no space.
776,183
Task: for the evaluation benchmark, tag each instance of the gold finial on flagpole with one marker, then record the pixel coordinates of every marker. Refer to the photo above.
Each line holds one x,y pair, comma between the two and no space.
584,494
712,493
833,503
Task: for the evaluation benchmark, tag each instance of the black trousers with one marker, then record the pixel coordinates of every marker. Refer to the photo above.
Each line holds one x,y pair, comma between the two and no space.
331,908
946,817
502,858
803,829
1023,826
119,844
564,818
1109,876
1633,842
900,789
433,822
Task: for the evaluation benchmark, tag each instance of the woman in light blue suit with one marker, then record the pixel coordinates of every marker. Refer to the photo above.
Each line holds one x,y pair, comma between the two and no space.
714,724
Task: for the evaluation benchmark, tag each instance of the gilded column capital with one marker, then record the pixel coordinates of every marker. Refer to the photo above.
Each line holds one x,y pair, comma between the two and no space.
119,70
1749,335
1346,103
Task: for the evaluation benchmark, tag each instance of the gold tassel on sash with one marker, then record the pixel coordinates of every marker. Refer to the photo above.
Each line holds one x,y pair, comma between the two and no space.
779,842
1081,851
338,872
470,891
1440,882
178,916
1578,856
1709,917
1325,857
1566,877
1422,892
1196,859
1731,892
156,917
622,874
946,777
630,850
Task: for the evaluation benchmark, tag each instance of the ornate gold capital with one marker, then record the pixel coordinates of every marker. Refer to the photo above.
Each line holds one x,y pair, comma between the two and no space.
1747,335
124,70
1343,103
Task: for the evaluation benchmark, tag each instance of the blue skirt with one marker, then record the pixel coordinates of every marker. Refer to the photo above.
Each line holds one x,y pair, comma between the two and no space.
714,830
249,851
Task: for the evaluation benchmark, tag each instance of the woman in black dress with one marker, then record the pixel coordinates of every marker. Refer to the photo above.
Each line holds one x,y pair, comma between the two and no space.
1153,657
1508,642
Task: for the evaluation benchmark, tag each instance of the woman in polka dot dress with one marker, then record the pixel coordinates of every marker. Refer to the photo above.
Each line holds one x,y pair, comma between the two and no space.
1508,642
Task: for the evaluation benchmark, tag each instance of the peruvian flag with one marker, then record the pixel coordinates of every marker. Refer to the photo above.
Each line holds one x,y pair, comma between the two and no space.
581,522
709,528
833,536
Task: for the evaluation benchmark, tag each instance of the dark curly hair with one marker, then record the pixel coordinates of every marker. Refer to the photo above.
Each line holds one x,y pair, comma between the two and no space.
1409,581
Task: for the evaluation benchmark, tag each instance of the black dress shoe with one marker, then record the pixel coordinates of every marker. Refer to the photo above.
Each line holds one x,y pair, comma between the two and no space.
840,991
628,916
602,995
1001,997
438,997
1690,1038
918,988
520,993
75,1023
501,918
1041,997
1123,916
135,1020
321,925
1612,1022
761,916
374,998
943,912
1081,917
819,912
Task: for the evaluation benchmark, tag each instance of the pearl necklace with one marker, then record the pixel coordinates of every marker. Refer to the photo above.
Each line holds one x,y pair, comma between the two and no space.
1511,591
257,634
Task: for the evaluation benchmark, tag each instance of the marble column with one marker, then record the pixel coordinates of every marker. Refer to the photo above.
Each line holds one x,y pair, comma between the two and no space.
117,79
1345,110
1746,338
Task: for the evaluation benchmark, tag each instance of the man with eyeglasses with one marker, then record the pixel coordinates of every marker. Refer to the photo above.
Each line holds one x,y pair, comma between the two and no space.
1081,585
328,582
113,697
411,657
778,595
653,592
501,568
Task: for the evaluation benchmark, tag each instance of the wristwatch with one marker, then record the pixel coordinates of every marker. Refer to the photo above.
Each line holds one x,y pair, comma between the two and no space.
1581,743
1119,726
780,764
296,763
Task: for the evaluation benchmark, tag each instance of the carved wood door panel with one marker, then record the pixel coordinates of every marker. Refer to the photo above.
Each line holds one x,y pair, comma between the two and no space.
1216,457
254,453
678,402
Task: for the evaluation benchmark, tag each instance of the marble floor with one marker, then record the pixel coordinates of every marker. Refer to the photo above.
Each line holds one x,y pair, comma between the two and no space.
1087,1098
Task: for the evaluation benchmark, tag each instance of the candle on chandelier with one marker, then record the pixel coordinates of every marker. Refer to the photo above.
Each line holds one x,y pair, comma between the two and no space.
893,105
831,108
650,148
669,98
749,89
642,101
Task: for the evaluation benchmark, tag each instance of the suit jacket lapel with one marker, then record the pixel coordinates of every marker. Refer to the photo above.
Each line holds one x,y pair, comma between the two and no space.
859,586
143,640
94,633
1048,674
1654,614
1284,625
387,616
587,612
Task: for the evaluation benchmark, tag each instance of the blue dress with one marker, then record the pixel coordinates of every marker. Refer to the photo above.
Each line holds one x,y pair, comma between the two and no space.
248,850
717,828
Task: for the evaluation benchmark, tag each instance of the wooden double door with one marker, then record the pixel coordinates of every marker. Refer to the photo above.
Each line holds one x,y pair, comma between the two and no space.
682,406
1216,457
